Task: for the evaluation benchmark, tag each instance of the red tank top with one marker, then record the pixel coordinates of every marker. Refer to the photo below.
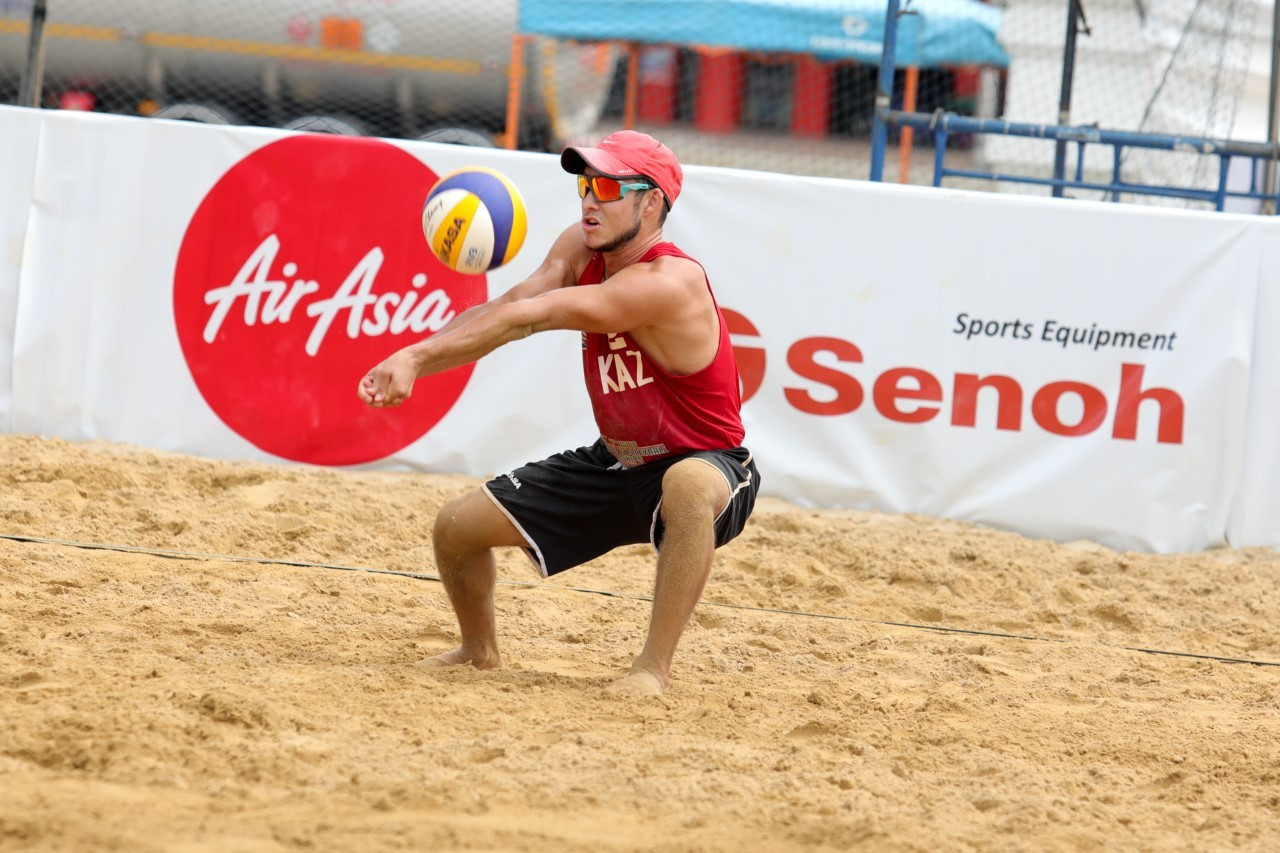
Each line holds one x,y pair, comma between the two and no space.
644,412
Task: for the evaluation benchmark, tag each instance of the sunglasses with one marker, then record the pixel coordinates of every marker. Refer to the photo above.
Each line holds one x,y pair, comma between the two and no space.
607,189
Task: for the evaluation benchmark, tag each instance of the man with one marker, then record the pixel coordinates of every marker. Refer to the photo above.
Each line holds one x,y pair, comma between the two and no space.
668,467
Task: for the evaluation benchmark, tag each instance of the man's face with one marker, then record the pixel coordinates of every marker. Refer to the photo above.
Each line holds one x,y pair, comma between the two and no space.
609,225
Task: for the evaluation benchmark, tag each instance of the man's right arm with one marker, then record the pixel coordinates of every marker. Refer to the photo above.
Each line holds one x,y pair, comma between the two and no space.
558,269
471,334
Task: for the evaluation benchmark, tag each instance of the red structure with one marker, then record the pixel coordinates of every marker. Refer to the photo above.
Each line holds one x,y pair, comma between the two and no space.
810,97
718,104
659,75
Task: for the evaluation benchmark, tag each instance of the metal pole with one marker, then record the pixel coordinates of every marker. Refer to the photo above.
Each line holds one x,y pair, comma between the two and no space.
631,96
32,84
884,91
1273,110
1064,99
515,82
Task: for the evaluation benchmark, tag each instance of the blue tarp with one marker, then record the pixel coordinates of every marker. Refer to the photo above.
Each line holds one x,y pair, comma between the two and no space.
940,32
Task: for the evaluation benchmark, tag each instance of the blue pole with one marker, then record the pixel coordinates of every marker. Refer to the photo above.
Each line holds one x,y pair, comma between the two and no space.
1074,14
939,154
884,91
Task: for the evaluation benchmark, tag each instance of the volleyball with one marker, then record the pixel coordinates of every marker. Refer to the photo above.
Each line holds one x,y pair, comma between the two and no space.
474,220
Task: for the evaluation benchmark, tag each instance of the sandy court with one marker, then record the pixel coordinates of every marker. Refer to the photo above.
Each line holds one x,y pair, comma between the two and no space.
200,703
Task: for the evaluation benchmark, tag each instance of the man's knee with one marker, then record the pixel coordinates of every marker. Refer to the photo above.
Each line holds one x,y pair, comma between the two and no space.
448,530
692,488
472,523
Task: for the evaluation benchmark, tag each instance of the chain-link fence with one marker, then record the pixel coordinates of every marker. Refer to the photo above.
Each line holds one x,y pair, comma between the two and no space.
1174,67
398,68
779,85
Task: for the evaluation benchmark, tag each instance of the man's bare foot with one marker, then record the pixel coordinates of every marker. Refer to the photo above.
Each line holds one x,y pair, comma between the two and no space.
461,655
637,684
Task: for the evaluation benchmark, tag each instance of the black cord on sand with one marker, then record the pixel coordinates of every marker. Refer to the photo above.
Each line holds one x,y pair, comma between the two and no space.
232,558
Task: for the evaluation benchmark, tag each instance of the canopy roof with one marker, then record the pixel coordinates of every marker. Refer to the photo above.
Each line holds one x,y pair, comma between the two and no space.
940,32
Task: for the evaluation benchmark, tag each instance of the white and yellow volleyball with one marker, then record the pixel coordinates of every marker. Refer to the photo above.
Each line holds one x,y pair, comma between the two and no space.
474,220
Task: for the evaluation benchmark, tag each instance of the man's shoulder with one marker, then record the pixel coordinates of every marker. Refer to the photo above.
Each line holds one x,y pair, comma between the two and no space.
667,249
679,266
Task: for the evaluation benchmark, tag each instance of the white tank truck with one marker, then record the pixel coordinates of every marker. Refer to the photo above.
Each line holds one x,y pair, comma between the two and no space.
409,68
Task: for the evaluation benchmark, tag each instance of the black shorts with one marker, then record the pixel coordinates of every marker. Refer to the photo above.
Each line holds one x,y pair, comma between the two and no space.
577,505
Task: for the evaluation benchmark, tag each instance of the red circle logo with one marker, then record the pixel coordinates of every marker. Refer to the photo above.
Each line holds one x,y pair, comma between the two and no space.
302,268
751,359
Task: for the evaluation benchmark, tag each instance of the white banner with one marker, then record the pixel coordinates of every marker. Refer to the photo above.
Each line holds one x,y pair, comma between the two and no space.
1255,517
1111,346
19,129
98,351
1067,370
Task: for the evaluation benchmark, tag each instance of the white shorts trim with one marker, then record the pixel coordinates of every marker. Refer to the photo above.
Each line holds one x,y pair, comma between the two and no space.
733,493
535,553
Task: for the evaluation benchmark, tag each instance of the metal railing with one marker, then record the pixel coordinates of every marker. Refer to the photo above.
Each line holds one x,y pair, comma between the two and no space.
942,125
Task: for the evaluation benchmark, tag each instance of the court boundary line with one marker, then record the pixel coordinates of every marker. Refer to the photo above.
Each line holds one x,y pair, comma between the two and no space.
272,561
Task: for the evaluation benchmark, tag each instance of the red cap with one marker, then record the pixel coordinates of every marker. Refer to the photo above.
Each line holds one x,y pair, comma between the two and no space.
625,154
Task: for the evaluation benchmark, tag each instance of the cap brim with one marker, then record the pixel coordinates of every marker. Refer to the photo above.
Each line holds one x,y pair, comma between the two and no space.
576,160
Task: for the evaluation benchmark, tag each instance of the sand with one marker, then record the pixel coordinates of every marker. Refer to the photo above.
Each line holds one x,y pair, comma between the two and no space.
229,701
